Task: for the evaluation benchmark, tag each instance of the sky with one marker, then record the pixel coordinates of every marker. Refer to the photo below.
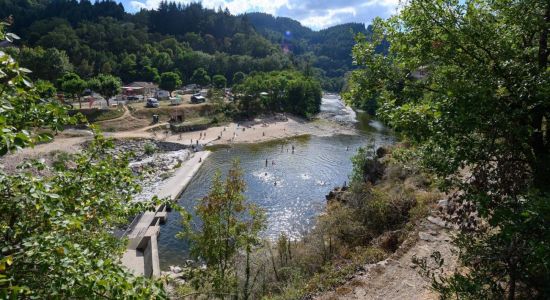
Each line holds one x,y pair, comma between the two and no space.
316,14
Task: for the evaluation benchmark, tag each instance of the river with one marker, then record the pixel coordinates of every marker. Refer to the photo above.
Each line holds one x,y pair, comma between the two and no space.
292,190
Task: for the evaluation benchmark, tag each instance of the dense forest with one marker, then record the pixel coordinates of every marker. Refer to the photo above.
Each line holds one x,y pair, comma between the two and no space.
328,49
91,38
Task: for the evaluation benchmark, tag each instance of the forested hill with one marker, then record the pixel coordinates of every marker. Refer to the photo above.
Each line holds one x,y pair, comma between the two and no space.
330,49
100,37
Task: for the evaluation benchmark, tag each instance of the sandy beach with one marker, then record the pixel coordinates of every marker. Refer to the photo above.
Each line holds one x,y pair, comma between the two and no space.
259,130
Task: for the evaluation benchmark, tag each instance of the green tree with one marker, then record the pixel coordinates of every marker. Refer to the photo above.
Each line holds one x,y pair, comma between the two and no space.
228,224
200,77
468,84
45,89
238,77
107,86
288,91
150,74
219,81
72,84
48,64
57,227
170,81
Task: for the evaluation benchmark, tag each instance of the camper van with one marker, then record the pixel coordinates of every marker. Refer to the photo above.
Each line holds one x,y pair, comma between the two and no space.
162,94
175,100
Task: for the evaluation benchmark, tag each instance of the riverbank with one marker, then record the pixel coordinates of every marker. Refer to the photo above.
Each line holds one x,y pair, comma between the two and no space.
256,131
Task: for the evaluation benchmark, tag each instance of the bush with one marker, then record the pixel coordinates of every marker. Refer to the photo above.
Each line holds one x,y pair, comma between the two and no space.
149,148
60,160
387,210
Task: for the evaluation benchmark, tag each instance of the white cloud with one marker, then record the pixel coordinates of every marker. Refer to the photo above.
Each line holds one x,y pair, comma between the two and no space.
235,6
316,14
331,17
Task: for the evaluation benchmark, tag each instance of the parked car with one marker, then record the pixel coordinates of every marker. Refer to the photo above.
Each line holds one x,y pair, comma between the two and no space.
197,98
152,102
134,98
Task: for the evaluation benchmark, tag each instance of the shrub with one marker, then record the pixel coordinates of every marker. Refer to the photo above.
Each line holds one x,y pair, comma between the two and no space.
60,160
149,148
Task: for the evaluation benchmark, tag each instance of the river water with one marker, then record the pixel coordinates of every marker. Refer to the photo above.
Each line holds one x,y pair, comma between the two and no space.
292,190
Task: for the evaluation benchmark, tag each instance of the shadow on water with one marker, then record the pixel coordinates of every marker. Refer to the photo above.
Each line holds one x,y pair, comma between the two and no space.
291,189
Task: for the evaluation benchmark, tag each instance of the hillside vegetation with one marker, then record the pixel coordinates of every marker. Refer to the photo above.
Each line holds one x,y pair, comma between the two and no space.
88,38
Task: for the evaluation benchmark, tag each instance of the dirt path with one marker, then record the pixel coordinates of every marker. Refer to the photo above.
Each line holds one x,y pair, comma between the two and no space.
397,277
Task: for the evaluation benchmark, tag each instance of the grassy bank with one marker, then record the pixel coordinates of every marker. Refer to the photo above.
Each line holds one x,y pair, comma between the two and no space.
97,115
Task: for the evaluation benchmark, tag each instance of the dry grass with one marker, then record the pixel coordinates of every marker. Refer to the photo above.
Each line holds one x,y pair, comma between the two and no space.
165,111
125,124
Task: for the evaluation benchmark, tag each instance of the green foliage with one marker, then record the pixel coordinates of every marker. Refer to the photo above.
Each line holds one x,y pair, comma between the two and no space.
73,85
21,108
468,84
170,81
228,224
238,78
45,89
149,148
100,38
219,81
106,85
200,77
285,91
60,160
48,64
57,227
58,233
325,52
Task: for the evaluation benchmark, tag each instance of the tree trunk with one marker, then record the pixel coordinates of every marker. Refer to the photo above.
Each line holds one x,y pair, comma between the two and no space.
247,275
541,149
273,262
512,288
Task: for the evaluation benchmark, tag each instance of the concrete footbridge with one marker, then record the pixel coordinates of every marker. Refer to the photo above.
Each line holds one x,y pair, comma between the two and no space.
141,256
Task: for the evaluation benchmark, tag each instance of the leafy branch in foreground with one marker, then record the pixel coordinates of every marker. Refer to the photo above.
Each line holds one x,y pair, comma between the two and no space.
57,229
57,223
468,84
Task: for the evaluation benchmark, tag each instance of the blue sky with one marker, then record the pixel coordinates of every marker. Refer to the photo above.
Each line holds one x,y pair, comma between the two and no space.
316,14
